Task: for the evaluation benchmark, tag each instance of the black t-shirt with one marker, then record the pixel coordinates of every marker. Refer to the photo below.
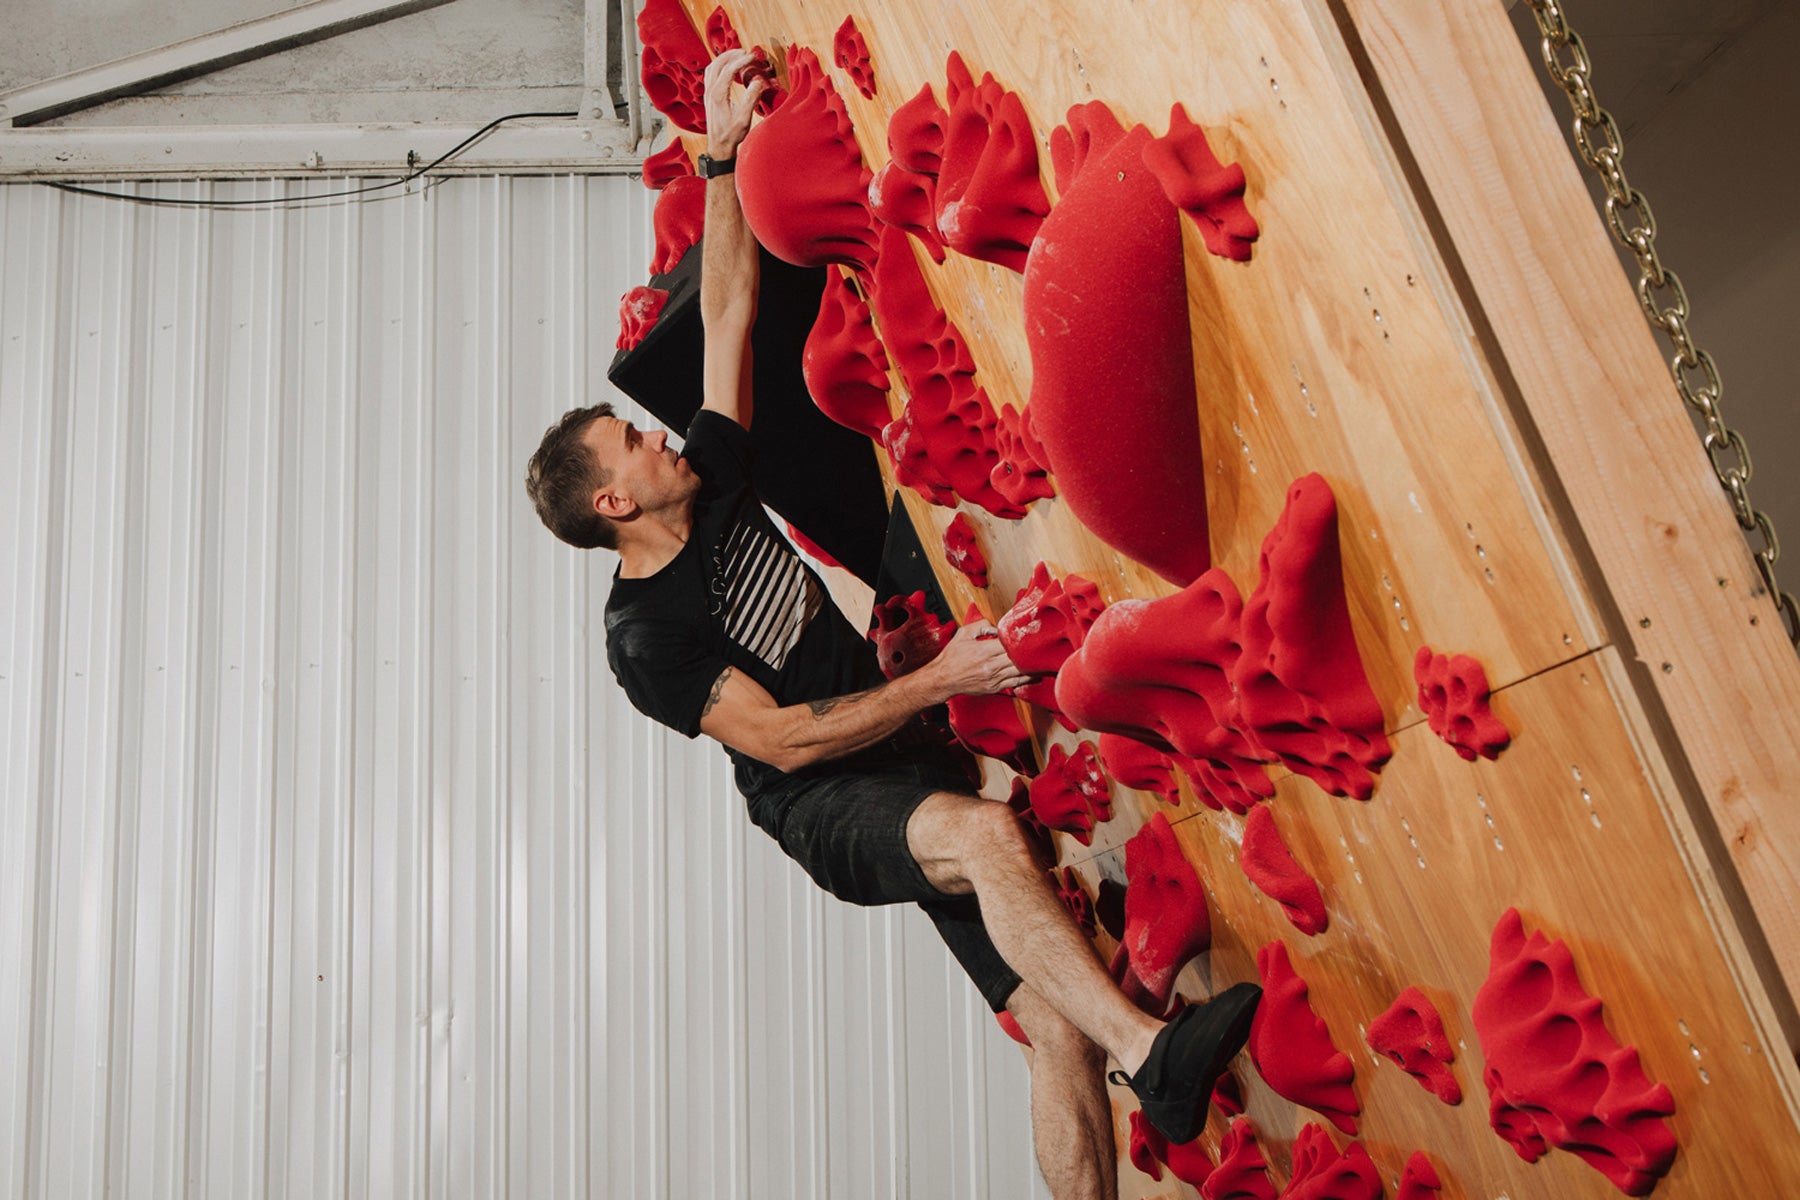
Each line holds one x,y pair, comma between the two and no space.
735,596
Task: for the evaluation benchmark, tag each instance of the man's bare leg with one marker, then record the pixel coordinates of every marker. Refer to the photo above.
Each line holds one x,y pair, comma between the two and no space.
1071,1116
967,844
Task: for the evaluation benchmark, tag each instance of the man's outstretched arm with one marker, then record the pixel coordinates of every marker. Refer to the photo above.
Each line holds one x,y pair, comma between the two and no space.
740,713
728,264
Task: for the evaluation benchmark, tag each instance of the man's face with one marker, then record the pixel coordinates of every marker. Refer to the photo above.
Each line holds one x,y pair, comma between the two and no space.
644,472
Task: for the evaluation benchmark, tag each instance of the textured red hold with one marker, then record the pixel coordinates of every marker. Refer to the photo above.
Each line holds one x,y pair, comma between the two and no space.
1420,1179
1197,183
1412,1034
1300,682
991,725
1048,620
1453,695
674,60
669,163
1555,1075
1166,918
1242,1173
678,221
818,215
638,310
844,364
963,552
1021,475
851,52
990,198
1071,794
1106,320
1151,1151
906,636
1292,1048
1322,1173
1136,765
1074,897
1266,860
907,200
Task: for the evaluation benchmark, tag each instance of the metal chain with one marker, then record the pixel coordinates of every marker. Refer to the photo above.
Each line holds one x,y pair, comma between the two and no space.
1659,289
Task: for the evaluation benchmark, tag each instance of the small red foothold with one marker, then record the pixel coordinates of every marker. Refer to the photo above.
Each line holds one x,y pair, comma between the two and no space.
850,51
1292,1048
1270,866
1208,191
1453,695
1412,1034
638,311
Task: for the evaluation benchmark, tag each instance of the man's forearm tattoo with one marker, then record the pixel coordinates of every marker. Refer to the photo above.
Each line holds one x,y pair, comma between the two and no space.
718,689
821,707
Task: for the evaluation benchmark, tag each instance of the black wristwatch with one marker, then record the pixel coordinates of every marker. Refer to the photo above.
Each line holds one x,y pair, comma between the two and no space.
708,167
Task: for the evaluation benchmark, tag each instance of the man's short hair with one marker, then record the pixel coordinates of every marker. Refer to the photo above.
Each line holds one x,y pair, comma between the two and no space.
563,477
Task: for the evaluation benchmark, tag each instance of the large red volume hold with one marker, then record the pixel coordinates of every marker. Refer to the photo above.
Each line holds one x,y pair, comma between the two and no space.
1166,918
963,552
1071,794
669,163
850,51
1322,1173
1106,319
990,198
1242,1173
638,310
1292,1048
1266,860
1555,1075
1300,682
1137,765
674,61
844,363
1453,695
679,220
1412,1034
1419,1181
820,214
991,725
1158,671
1197,183
906,636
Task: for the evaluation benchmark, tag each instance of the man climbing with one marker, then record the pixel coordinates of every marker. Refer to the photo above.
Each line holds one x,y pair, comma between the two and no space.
715,626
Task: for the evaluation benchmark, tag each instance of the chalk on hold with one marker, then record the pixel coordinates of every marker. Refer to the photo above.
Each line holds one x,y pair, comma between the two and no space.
1453,695
1166,918
1106,318
1322,1173
907,200
1158,671
1555,1075
669,163
1137,765
818,215
1419,1181
1070,794
906,635
990,198
678,221
1048,620
638,311
844,363
673,63
1292,1048
1243,1172
850,51
963,552
1412,1034
1271,867
1300,682
1208,191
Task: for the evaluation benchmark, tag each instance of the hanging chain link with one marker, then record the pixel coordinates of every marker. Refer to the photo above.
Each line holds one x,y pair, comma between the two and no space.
1659,289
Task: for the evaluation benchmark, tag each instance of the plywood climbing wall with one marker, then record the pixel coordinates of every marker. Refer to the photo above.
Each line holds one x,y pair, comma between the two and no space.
1344,345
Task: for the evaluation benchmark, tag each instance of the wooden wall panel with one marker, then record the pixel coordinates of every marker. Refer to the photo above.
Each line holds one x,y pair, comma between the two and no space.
1346,347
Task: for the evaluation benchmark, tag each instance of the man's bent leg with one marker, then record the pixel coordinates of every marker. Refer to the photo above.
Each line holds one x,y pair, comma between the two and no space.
967,844
1071,1116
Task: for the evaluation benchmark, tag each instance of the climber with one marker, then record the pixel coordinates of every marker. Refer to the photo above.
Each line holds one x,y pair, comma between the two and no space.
715,626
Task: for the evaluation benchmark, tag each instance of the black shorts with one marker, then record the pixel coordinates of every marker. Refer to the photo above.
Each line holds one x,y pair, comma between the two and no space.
848,832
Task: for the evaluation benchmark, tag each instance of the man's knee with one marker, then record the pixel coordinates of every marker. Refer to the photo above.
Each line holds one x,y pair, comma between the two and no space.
957,839
1052,1034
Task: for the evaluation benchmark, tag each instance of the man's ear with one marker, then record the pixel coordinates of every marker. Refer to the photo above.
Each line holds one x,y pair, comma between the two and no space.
614,505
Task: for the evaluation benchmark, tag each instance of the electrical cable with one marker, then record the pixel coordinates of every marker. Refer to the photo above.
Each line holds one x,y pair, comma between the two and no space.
178,202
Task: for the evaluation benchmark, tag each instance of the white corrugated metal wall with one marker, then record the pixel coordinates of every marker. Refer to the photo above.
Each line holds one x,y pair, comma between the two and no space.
332,862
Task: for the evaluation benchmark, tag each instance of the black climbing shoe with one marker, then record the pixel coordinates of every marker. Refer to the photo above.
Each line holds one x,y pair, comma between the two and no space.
1187,1058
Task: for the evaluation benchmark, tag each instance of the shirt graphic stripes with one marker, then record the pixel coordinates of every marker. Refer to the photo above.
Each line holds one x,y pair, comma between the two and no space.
769,596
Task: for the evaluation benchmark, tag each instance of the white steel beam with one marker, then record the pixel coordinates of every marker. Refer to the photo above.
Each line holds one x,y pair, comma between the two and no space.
541,147
222,48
